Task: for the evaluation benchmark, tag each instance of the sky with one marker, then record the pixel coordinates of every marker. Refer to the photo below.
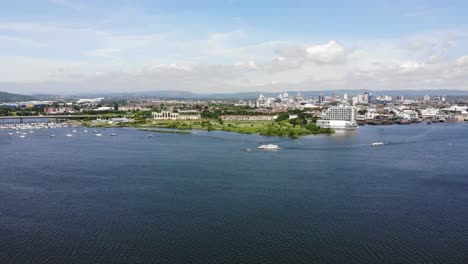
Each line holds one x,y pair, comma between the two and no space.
203,46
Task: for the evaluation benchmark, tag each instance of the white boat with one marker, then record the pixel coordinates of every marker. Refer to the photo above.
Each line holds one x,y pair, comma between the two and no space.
22,136
377,144
86,131
52,135
98,135
69,135
268,146
10,133
113,135
74,131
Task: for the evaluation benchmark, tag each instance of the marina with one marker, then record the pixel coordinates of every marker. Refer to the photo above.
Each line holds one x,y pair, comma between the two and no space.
32,126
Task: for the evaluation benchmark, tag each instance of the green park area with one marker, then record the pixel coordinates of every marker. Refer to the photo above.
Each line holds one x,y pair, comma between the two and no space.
283,126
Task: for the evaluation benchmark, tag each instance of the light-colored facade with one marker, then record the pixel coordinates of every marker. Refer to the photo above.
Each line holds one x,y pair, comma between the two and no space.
429,113
458,113
408,115
263,102
338,117
166,115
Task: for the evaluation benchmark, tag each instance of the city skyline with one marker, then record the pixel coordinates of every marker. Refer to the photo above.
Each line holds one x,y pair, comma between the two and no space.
70,46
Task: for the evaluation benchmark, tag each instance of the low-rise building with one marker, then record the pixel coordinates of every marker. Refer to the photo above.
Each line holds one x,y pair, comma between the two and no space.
182,115
459,113
429,113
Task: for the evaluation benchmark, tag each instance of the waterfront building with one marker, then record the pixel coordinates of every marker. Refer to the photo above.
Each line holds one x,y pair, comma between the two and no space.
408,115
412,114
429,113
339,117
182,115
458,113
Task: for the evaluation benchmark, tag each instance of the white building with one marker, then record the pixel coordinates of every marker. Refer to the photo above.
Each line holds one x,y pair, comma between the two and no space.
338,117
385,98
456,110
104,108
429,113
458,113
263,102
413,115
89,100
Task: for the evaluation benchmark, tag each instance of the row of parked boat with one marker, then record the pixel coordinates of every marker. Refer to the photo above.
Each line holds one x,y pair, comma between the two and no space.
19,129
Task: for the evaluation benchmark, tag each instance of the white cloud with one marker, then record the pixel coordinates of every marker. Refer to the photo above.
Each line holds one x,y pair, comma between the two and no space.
410,66
331,52
246,65
462,61
223,61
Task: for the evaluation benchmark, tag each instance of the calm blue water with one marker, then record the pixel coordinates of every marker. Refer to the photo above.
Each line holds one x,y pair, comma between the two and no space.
202,198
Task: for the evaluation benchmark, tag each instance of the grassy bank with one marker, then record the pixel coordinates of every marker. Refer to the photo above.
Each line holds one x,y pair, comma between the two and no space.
266,128
284,128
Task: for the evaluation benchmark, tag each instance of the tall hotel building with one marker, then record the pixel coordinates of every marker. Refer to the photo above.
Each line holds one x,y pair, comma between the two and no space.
338,117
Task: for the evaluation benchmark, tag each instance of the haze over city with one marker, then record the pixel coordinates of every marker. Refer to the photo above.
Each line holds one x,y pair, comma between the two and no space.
75,46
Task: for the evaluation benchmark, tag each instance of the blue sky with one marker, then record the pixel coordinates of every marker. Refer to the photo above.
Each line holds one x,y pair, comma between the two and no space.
71,46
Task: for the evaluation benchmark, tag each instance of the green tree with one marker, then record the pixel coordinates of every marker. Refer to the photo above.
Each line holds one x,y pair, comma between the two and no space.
282,116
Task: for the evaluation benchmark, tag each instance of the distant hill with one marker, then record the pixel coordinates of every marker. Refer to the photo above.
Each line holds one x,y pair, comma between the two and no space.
175,94
168,94
9,97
